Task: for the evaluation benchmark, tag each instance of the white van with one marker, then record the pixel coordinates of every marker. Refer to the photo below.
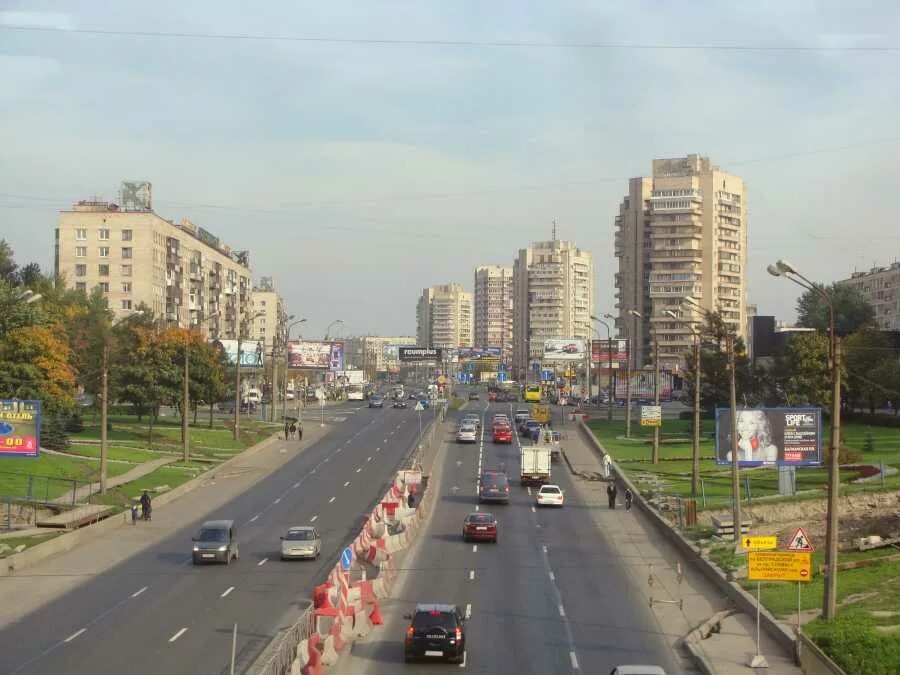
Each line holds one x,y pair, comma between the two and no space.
253,396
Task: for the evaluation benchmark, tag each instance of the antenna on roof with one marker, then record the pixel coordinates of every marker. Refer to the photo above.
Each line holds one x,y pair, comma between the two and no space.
554,229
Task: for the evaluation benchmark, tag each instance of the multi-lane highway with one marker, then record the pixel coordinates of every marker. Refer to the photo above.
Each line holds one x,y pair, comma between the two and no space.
550,597
157,613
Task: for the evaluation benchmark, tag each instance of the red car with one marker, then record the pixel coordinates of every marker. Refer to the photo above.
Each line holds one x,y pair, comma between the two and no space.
492,396
502,433
480,526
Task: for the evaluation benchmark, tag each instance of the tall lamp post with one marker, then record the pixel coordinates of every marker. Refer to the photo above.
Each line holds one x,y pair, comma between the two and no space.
654,456
609,409
829,601
237,371
186,393
287,339
695,453
327,335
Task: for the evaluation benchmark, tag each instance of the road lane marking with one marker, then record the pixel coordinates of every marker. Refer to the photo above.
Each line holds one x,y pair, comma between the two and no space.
534,509
471,575
359,469
574,660
348,441
277,501
369,458
377,449
314,519
137,593
474,548
262,562
331,501
74,635
347,484
178,635
552,576
562,611
529,490
227,591
469,611
544,548
254,518
462,664
297,484
477,507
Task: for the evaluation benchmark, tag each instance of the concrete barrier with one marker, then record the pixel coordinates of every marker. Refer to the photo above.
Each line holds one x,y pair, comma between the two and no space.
814,661
329,652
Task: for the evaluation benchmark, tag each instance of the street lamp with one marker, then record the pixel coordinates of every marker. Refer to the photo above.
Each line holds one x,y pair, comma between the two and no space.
287,339
654,456
609,411
737,523
829,602
237,371
28,296
328,330
104,394
186,394
695,453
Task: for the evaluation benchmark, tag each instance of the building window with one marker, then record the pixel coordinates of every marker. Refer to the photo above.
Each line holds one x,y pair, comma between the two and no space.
81,233
126,235
80,270
103,270
126,252
126,270
126,304
104,286
81,287
81,251
104,234
126,287
104,251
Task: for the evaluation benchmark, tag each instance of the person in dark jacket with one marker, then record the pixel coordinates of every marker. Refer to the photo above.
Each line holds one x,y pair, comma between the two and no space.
611,493
146,506
629,498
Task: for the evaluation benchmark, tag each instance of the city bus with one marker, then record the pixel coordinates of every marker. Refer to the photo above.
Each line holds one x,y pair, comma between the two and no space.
532,392
355,392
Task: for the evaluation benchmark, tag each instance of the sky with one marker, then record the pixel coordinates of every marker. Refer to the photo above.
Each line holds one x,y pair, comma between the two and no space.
372,149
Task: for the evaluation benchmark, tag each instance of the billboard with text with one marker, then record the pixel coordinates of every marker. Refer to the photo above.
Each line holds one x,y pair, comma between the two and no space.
564,350
419,354
641,388
252,353
20,428
479,353
601,350
771,436
319,355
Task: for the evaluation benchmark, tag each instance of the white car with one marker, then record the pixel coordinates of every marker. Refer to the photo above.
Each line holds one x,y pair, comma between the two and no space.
467,434
471,418
637,670
302,541
550,495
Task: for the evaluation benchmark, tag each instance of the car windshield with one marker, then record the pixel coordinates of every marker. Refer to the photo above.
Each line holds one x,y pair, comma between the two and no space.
551,489
494,480
300,535
434,619
213,534
480,518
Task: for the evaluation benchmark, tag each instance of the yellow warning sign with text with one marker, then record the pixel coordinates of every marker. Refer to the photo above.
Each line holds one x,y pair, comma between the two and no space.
759,543
779,566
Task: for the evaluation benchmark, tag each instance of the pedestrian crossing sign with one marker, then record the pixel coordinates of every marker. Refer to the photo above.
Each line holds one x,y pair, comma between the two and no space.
800,542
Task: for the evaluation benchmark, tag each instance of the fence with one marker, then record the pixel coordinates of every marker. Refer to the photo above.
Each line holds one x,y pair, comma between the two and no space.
30,487
280,653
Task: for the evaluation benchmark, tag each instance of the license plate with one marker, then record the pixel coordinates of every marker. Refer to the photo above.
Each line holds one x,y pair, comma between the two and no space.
209,555
481,529
431,652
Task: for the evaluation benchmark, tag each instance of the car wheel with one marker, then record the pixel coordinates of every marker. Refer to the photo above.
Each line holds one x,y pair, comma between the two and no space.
408,657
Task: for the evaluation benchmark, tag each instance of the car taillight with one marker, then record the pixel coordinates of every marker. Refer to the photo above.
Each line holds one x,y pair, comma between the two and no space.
458,633
410,634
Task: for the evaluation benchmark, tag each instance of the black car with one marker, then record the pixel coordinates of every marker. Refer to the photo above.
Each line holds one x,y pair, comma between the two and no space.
473,395
399,403
435,631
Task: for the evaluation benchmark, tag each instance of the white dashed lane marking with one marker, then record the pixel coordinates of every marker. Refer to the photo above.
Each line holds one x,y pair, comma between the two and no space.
74,635
137,593
347,484
314,519
227,591
178,635
262,562
331,501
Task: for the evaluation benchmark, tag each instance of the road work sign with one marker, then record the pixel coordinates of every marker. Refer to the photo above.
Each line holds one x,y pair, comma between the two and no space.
800,542
651,416
759,543
779,566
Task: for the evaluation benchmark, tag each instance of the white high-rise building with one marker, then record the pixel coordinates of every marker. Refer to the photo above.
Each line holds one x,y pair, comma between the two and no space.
554,297
444,317
494,308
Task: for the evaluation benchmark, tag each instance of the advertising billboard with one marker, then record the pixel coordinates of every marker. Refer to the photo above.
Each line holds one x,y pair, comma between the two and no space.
771,436
479,353
252,353
319,355
20,428
600,352
642,386
419,354
564,350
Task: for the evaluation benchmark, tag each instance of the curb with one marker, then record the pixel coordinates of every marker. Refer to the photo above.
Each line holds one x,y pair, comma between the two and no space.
66,542
692,640
743,601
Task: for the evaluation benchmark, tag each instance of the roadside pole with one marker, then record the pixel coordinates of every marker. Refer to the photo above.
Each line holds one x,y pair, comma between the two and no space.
322,406
233,647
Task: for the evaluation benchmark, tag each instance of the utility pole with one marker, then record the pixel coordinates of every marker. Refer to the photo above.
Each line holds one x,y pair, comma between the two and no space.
655,453
104,415
186,401
735,465
237,381
829,606
695,454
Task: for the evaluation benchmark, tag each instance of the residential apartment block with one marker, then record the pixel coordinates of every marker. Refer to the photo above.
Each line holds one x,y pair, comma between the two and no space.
680,232
179,270
494,309
444,316
269,317
375,353
553,284
881,287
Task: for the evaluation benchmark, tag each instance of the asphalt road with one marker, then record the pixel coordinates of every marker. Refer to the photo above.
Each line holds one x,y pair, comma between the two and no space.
550,597
157,613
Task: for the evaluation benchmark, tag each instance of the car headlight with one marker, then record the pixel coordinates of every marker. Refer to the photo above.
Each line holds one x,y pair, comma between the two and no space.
196,548
222,549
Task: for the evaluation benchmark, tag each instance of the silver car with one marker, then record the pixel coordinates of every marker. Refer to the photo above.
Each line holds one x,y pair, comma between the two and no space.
467,434
302,541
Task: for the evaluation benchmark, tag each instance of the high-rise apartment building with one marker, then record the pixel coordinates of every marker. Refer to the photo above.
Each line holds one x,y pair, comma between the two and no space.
444,317
553,298
680,232
184,274
494,309
881,287
271,322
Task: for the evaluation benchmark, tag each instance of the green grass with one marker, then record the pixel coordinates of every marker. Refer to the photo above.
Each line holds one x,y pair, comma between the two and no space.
168,477
116,452
856,645
33,540
52,475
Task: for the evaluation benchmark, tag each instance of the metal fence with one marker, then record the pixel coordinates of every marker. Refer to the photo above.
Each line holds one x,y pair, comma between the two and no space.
282,651
42,489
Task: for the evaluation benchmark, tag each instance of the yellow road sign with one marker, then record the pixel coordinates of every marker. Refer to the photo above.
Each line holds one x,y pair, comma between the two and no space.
759,543
779,566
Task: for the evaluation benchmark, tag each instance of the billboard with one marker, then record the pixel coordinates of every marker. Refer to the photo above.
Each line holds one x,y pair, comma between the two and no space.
771,436
351,376
600,352
564,350
252,353
642,385
319,355
20,428
419,354
479,352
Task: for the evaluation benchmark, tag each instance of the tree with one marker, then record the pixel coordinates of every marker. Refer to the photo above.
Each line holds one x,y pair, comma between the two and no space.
30,275
851,310
89,331
35,364
871,366
715,379
7,263
14,313
803,375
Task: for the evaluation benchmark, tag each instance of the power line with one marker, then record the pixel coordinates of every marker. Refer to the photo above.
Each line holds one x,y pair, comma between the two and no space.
422,42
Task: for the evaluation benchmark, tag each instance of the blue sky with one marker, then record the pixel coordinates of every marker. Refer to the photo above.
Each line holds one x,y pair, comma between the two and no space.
359,173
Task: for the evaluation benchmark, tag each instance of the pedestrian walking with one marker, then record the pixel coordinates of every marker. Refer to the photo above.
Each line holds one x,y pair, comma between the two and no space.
293,429
629,497
606,462
611,493
287,431
134,513
146,506
300,432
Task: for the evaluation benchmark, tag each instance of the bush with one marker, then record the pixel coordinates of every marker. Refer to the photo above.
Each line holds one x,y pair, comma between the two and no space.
872,420
74,424
853,642
53,434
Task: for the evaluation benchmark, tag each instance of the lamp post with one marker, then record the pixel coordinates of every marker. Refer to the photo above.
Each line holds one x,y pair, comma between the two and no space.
287,339
737,523
104,396
609,410
829,601
237,372
654,455
695,453
628,371
327,334
186,393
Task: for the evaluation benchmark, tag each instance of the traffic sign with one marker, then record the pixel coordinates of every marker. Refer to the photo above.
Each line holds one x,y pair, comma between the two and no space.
419,406
651,416
759,543
800,542
346,558
779,566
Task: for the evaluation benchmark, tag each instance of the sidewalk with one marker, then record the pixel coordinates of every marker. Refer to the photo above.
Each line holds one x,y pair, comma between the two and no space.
141,470
646,554
38,585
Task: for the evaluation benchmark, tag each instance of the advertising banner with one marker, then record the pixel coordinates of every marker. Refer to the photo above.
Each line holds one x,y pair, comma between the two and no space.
564,350
479,353
419,354
771,436
642,386
252,353
351,376
320,355
20,428
600,352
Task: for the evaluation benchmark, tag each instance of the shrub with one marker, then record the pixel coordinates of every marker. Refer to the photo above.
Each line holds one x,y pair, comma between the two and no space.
853,642
74,424
53,434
